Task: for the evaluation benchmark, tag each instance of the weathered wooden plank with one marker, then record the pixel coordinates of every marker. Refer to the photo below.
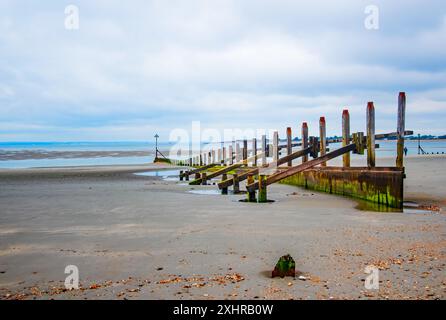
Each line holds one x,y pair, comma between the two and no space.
240,177
191,172
304,166
379,186
291,157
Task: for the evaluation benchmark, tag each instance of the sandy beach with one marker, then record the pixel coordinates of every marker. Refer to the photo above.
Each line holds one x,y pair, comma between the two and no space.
142,237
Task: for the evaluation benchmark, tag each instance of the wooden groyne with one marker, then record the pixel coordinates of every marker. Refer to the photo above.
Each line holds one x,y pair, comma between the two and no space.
264,166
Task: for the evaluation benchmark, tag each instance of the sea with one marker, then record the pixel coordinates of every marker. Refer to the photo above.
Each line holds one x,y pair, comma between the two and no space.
387,148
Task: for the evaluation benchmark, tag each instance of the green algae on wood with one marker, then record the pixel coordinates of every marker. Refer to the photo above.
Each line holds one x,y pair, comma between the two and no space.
383,186
285,267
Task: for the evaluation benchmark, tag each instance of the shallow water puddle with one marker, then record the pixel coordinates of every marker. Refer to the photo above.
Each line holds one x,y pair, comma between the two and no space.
208,192
171,175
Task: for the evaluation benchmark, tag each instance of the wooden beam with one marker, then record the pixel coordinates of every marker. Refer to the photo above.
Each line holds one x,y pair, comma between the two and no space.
302,167
239,177
191,172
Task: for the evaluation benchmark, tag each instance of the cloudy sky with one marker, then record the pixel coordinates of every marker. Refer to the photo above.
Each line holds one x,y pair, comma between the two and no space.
139,67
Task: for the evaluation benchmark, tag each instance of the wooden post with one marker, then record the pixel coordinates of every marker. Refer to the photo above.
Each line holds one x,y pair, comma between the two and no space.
346,136
251,195
304,140
223,160
254,151
419,144
323,138
245,149
275,146
203,179
187,176
400,130
264,150
181,175
262,189
201,159
213,156
231,154
197,175
237,152
370,135
236,183
289,147
224,177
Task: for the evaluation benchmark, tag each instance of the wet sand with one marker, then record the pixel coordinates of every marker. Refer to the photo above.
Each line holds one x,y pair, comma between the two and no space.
140,237
45,154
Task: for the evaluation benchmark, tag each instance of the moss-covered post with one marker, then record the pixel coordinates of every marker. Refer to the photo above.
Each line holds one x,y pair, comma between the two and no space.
254,152
323,138
197,175
276,146
371,135
203,179
236,183
400,129
251,195
304,140
346,136
262,189
264,150
224,177
289,148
